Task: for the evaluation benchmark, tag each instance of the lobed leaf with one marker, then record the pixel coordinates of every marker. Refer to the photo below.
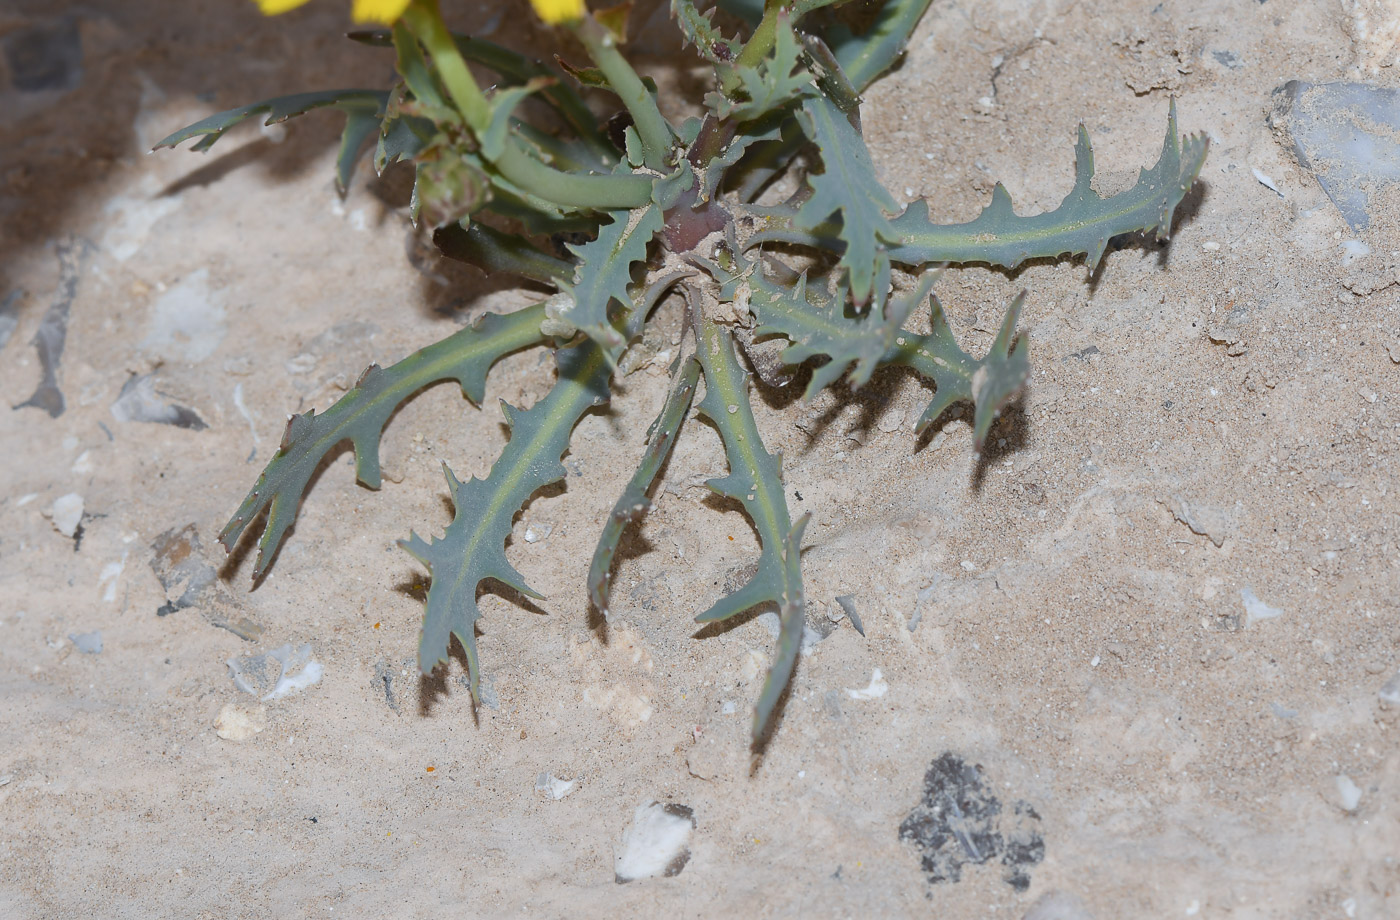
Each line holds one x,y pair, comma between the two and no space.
989,384
360,415
1083,224
755,480
856,342
817,324
493,251
661,437
772,84
699,30
473,547
866,56
604,271
363,108
847,186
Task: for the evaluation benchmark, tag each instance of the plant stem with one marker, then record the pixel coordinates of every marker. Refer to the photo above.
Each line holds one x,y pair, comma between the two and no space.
518,164
423,18
764,34
652,128
603,193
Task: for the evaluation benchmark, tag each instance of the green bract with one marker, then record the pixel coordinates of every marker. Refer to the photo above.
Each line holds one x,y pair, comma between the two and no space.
663,207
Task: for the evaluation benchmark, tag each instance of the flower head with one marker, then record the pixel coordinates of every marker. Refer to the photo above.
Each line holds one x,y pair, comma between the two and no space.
559,12
383,11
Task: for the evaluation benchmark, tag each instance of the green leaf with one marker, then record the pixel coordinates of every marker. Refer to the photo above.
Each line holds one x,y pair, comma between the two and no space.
604,271
412,65
715,170
771,85
360,124
699,30
866,56
1084,223
848,186
493,251
989,384
755,481
634,502
401,136
473,547
858,341
357,104
818,324
360,415
503,105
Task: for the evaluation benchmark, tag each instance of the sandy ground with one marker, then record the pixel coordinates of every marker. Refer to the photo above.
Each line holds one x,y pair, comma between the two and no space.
1208,421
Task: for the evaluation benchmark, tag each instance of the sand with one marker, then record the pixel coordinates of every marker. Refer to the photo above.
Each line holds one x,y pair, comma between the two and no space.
1145,644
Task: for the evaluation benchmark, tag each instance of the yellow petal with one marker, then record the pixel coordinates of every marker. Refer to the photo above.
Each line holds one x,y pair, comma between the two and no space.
559,12
273,7
383,11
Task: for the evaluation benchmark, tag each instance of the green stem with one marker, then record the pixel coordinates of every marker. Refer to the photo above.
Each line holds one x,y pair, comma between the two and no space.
603,193
760,42
423,18
518,164
652,128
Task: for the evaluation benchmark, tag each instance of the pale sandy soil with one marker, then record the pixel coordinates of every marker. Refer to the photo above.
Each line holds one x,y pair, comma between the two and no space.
1076,639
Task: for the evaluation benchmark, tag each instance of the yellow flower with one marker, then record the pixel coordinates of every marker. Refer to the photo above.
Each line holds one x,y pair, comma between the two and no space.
384,11
559,12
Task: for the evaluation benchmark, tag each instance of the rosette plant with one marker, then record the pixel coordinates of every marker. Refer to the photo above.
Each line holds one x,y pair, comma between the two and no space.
616,213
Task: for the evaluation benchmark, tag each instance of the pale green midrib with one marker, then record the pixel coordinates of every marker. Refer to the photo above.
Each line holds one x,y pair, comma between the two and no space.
846,169
523,332
565,403
916,352
931,237
768,516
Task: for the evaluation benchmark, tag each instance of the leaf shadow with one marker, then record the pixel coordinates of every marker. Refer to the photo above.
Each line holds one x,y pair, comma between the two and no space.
1009,434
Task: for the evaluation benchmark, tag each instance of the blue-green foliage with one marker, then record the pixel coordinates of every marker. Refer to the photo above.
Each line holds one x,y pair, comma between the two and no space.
614,220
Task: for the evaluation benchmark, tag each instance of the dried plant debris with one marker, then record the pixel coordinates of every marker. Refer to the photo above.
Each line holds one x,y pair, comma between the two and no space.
836,281
960,822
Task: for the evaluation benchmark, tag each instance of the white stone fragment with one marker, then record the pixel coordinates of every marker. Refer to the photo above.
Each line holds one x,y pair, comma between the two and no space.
1267,182
238,723
1255,609
67,513
655,844
535,533
878,688
555,787
1353,250
1058,905
1348,793
291,679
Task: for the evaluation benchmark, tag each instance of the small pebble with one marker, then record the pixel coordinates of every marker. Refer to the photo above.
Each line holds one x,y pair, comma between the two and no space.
1348,793
1255,609
553,786
238,723
67,513
89,643
878,688
655,844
